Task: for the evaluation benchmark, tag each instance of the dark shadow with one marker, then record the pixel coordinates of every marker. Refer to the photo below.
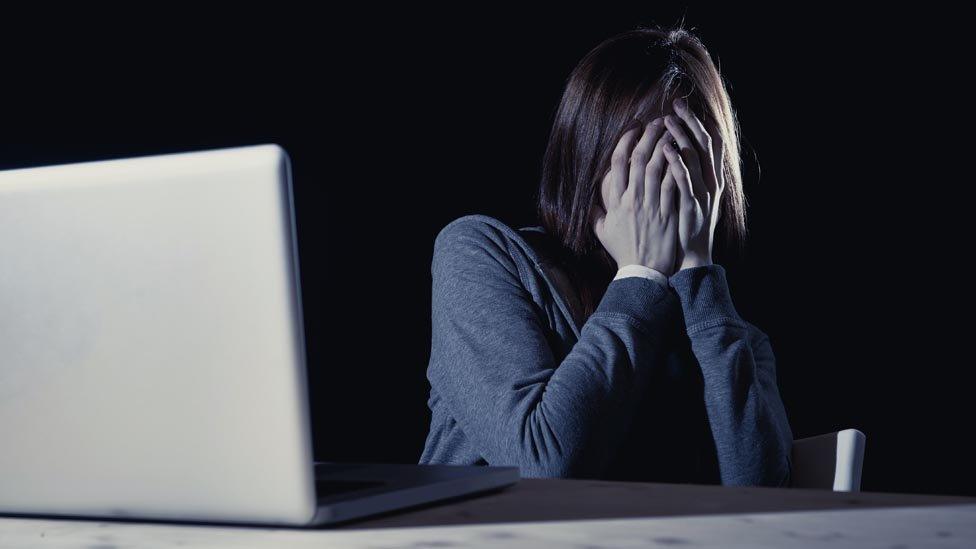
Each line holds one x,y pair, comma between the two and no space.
548,500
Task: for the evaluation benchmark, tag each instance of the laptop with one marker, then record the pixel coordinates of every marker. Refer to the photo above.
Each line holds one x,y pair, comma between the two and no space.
152,357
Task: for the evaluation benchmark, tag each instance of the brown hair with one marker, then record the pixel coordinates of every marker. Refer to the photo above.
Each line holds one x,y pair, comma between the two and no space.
633,75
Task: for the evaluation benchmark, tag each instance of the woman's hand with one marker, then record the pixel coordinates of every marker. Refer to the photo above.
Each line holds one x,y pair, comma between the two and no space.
638,223
697,167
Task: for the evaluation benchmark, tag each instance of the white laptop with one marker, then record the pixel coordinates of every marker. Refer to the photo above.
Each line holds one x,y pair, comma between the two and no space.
152,358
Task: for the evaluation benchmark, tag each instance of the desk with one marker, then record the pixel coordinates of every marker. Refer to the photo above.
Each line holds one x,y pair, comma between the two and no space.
578,513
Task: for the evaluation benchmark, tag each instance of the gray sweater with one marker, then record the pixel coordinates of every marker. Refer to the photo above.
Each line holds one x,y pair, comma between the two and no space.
665,384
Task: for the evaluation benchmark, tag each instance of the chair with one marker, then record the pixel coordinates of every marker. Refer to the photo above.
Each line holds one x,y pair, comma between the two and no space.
830,462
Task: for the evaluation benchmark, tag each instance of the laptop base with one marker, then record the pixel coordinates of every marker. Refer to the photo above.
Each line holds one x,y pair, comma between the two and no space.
347,491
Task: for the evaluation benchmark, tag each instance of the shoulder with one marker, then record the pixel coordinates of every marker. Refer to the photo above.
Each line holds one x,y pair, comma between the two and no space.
477,228
484,234
482,242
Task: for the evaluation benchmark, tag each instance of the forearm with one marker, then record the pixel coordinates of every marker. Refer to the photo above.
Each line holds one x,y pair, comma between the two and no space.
748,421
747,417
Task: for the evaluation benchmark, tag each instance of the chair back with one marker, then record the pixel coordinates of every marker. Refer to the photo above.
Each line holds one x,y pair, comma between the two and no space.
830,462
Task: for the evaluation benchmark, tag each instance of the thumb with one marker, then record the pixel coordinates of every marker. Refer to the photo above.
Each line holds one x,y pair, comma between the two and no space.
598,228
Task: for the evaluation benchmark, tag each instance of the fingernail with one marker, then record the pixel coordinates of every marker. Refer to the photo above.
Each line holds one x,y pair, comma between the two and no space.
680,103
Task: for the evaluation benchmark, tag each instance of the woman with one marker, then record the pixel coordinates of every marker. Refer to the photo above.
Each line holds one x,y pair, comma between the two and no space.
604,343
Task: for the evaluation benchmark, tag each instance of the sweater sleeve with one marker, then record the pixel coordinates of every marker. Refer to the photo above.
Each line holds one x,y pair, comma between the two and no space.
492,363
747,417
641,270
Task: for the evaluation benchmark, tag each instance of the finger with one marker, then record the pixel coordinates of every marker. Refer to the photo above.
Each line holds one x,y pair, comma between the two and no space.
657,166
689,153
678,170
704,140
617,183
640,156
718,153
669,194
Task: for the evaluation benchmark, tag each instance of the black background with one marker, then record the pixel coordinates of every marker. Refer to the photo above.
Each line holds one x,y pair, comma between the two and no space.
856,172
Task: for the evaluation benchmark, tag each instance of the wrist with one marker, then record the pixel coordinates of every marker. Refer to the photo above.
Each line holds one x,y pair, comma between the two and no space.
666,270
690,261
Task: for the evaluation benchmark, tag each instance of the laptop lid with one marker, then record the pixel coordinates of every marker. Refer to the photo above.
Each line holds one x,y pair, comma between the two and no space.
151,340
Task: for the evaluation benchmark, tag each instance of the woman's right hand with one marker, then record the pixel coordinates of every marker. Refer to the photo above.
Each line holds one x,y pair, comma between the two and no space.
638,223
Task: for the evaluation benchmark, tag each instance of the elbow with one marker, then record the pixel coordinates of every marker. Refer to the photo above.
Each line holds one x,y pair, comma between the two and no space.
774,471
541,457
549,465
541,448
787,477
780,475
545,470
783,471
546,444
537,468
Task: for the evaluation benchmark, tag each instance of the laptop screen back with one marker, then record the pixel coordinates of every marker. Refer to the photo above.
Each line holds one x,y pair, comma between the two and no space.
151,343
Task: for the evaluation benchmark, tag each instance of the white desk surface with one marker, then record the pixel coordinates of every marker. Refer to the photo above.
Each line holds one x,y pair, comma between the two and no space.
888,528
657,515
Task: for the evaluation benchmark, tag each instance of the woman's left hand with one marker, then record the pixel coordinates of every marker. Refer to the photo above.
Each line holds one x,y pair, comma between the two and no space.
697,168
